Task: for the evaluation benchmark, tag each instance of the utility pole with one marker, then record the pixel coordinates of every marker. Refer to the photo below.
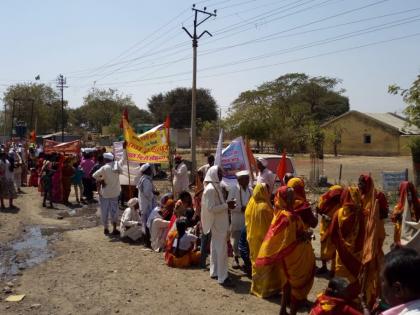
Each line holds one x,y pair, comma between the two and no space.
61,84
13,118
195,39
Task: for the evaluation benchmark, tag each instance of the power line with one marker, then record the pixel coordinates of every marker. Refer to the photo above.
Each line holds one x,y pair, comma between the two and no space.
265,38
292,49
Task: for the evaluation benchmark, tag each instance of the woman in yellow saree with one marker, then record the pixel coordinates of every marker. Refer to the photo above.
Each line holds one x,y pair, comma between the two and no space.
328,205
258,216
287,245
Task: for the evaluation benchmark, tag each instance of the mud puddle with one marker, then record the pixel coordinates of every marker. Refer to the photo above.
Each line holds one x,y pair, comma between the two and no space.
26,252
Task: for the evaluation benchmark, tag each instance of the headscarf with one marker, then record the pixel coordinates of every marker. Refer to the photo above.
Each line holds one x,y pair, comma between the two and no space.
280,199
132,202
212,175
330,199
369,194
405,187
298,185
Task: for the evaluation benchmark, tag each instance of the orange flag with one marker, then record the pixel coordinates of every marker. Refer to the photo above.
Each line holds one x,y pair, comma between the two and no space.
250,155
281,168
32,136
124,116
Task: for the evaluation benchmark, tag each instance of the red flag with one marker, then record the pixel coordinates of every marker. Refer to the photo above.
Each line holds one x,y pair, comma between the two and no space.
281,168
124,115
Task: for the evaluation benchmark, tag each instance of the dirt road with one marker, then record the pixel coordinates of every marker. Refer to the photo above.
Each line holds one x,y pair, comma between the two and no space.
85,272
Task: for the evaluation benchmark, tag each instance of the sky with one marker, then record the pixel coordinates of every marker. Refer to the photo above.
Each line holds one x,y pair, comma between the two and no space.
139,47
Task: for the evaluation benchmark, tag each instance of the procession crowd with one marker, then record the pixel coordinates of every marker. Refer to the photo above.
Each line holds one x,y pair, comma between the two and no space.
267,230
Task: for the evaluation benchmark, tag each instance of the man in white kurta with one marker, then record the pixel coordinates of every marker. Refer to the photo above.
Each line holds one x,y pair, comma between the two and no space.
108,177
241,193
146,194
215,219
130,225
181,180
265,176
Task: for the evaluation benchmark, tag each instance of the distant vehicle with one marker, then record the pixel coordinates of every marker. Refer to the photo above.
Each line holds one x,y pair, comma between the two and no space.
274,160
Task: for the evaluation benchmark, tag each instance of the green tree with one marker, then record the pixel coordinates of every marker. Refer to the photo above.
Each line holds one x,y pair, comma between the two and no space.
411,97
37,105
177,104
285,107
103,108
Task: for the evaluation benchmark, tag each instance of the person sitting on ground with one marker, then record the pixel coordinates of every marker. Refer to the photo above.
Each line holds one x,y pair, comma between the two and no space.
181,248
401,282
334,301
158,225
130,225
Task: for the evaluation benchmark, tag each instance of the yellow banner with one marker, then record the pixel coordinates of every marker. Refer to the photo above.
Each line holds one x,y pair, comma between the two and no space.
149,147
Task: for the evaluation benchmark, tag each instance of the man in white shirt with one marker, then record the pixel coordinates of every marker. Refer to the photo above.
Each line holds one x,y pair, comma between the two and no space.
158,226
265,176
203,169
108,177
215,219
146,193
130,225
181,180
241,193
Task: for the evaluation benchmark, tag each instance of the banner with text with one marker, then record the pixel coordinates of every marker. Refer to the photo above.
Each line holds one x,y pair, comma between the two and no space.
149,147
72,147
234,158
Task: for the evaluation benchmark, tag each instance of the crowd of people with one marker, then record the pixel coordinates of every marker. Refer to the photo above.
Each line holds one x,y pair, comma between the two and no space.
267,230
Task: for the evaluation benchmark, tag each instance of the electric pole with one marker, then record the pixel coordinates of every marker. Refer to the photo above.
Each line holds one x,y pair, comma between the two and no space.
195,39
61,84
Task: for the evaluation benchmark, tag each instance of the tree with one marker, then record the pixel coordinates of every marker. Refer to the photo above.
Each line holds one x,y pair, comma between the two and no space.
177,104
46,107
281,110
411,97
103,108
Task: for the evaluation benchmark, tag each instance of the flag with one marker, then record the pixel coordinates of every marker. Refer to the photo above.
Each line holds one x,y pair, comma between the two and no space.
281,168
38,77
149,147
124,116
167,125
32,137
218,158
251,158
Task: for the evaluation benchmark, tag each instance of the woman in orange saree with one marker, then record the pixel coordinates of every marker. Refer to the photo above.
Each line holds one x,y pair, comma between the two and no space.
301,204
408,193
328,205
258,216
287,246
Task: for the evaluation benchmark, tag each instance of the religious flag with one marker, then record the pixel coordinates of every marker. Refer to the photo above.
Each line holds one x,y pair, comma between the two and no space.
281,168
149,147
124,116
218,158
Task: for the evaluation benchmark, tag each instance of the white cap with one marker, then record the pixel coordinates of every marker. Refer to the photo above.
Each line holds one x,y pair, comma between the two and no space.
264,162
144,167
108,156
242,173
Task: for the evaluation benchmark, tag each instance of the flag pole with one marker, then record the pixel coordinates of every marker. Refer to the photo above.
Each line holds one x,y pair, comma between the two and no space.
124,125
168,139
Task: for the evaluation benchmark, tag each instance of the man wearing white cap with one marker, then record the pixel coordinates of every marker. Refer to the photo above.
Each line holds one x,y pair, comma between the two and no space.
215,219
241,193
146,196
130,226
108,177
265,176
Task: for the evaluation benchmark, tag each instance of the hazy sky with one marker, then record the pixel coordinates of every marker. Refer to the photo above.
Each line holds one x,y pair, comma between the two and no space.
140,48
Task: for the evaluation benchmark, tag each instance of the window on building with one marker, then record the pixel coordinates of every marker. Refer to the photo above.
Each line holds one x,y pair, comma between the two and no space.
367,139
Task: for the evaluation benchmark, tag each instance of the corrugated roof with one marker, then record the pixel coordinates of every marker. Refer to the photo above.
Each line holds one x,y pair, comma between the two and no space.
395,121
388,119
